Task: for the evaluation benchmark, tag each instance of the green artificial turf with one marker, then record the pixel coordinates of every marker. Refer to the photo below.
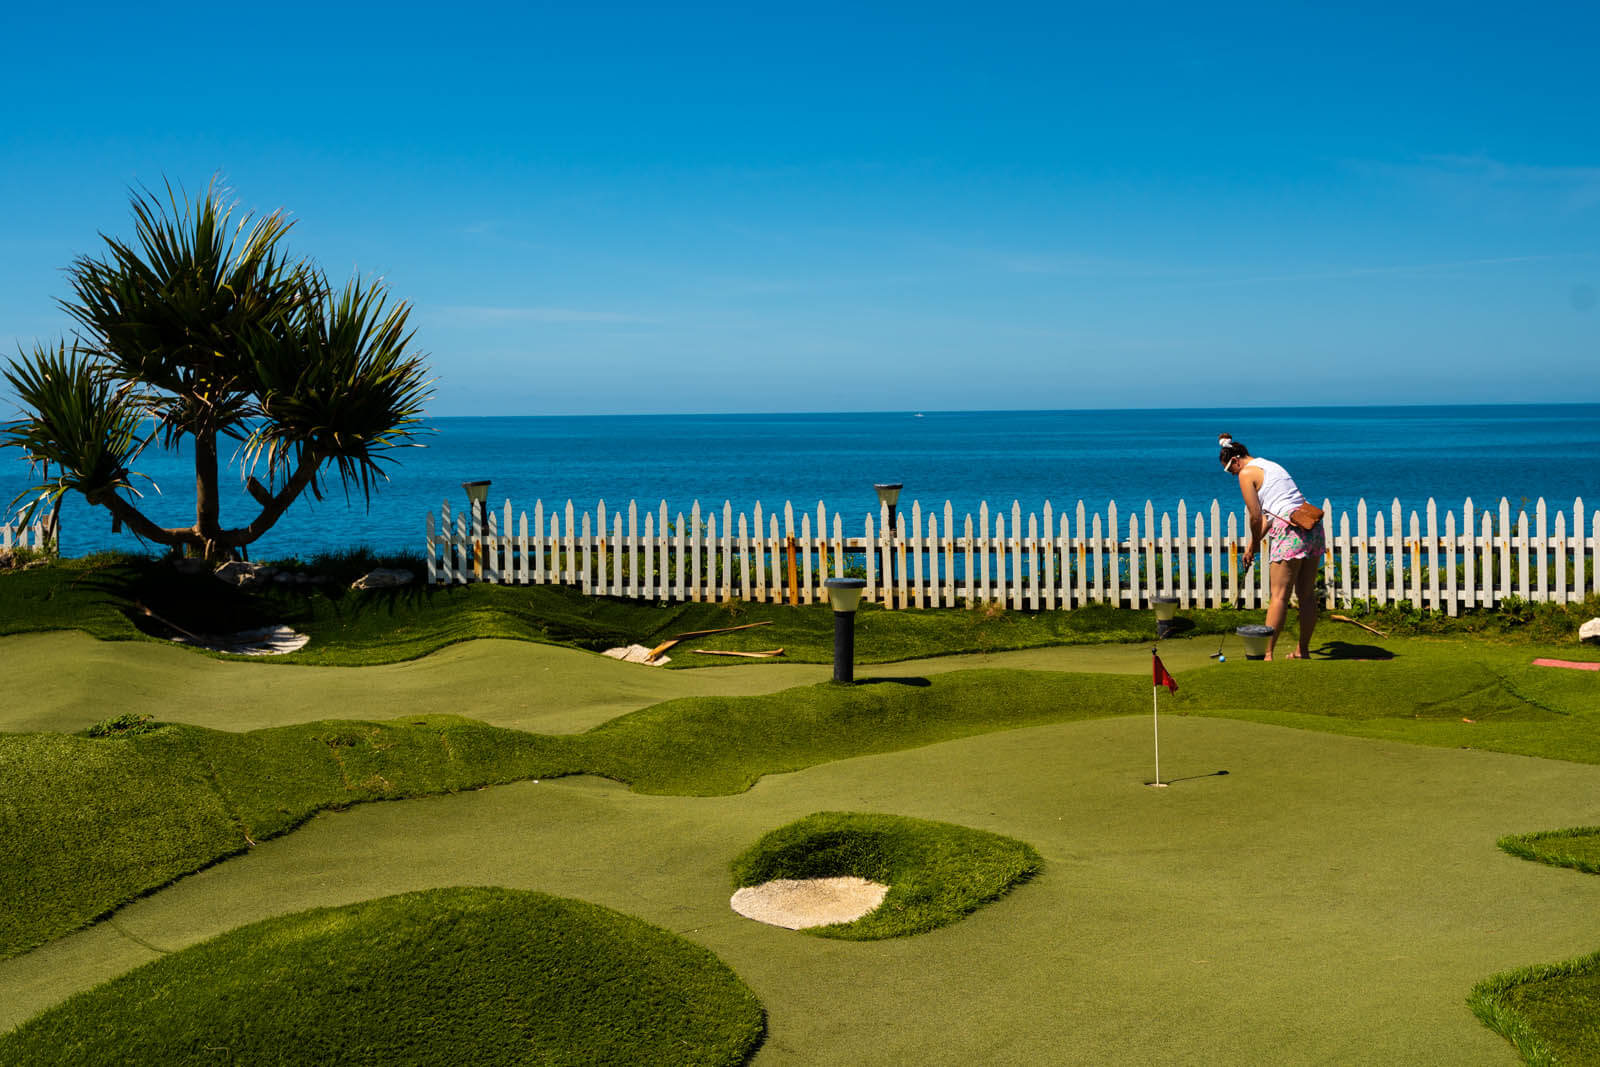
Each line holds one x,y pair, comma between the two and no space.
100,821
937,872
1341,895
1551,1013
446,976
1577,847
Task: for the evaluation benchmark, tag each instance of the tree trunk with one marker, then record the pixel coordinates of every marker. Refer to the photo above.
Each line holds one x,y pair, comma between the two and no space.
206,536
207,506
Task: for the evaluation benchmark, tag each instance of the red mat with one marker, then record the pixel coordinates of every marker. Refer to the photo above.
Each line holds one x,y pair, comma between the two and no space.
1567,663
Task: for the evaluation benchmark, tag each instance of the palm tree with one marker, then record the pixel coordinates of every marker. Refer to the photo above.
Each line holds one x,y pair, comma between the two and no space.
202,328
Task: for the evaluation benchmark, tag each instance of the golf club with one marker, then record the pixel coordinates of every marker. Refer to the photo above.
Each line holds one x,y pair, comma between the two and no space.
1237,604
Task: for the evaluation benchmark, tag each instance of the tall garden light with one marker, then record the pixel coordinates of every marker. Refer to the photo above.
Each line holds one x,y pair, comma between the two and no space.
889,496
478,497
845,596
1166,608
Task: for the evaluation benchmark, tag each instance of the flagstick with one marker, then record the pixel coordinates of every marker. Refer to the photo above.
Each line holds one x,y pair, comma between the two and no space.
1155,724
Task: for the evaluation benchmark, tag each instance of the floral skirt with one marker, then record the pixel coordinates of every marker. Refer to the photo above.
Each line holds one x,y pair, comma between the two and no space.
1285,543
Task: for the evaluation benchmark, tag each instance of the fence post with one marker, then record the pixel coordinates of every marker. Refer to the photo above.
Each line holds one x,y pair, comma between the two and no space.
944,551
727,548
1097,533
1032,555
1433,556
1524,578
431,549
1114,547
805,570
1579,556
1540,545
696,547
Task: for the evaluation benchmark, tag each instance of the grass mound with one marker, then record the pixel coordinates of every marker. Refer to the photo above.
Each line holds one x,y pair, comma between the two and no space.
446,976
936,872
92,823
1577,847
1551,1013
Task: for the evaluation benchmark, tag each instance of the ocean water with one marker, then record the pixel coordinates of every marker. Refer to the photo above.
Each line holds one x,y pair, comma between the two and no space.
1379,454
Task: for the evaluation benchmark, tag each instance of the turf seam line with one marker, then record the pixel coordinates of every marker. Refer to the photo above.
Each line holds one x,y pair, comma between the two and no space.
111,920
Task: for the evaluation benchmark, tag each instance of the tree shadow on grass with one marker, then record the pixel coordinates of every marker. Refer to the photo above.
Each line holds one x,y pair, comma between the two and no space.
158,600
1346,650
920,683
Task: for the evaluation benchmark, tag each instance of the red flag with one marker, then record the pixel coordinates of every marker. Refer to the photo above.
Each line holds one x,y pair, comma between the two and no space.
1161,675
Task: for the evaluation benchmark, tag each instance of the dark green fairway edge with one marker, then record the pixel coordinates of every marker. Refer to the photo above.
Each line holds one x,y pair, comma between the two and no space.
1577,847
1550,1012
445,976
937,872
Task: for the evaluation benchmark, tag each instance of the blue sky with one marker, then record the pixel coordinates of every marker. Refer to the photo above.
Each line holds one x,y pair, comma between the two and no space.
700,208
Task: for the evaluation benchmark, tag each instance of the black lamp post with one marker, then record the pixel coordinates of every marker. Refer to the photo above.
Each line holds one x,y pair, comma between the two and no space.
478,497
1166,609
845,596
889,496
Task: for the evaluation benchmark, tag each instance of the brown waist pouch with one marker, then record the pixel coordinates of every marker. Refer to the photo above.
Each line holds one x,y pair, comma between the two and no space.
1305,517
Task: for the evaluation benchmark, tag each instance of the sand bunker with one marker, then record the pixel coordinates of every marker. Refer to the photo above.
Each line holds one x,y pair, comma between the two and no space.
795,904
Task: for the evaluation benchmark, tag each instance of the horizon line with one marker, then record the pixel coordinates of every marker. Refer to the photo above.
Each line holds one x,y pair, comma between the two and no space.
1020,411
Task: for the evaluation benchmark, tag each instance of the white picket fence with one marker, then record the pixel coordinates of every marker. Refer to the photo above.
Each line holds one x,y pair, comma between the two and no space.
1027,562
33,536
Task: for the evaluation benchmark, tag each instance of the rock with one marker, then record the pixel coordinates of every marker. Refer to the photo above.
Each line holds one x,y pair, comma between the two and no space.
244,574
637,654
384,578
265,641
1590,631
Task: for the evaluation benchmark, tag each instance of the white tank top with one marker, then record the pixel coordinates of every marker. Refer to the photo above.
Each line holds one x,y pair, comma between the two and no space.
1278,494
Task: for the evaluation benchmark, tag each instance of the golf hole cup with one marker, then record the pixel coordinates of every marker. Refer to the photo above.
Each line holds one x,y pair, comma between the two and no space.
1255,640
1166,609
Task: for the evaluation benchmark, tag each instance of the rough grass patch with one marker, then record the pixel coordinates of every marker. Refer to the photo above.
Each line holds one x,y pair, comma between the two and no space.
446,976
1550,1013
1577,847
128,724
937,872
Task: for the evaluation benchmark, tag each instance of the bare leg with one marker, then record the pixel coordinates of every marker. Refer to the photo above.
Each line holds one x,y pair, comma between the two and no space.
1305,594
1282,576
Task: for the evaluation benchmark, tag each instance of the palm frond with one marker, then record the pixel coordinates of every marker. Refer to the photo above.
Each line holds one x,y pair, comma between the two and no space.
76,419
168,308
346,386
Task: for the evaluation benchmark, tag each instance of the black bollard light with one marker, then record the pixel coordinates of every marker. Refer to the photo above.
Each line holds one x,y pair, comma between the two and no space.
888,497
478,497
1166,608
845,596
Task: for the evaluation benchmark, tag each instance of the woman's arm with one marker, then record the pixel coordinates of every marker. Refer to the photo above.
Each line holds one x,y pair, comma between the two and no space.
1249,487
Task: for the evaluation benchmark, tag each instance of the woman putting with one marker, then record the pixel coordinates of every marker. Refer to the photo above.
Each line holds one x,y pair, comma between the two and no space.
1272,499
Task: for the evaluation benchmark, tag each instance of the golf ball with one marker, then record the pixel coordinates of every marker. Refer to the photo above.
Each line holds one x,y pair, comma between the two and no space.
1222,659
